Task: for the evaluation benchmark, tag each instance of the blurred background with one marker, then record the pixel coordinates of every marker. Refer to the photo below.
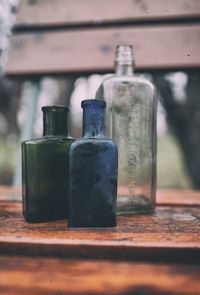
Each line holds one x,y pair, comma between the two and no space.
178,108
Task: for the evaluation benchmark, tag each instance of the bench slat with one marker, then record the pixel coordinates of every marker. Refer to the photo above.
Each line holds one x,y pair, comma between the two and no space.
92,50
170,234
32,275
67,12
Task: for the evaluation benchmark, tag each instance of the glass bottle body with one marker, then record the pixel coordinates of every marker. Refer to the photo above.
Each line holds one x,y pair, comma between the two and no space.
131,122
93,174
45,175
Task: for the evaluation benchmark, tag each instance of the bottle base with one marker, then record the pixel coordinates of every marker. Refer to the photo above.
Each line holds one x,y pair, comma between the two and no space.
130,205
72,226
44,218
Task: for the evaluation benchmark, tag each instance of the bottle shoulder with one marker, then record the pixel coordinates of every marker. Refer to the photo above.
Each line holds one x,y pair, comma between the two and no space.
118,87
48,140
132,79
87,142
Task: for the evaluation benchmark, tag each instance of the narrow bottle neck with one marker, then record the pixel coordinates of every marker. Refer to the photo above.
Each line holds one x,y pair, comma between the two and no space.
93,121
124,69
124,63
55,122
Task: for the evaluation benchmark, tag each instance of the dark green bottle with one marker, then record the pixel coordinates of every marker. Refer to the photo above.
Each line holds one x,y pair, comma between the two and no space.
45,164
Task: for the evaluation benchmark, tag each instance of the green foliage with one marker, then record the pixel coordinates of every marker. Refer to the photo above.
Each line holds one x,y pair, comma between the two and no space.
7,162
171,172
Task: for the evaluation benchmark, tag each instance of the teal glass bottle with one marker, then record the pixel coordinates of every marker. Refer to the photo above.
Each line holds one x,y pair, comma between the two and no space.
93,172
45,168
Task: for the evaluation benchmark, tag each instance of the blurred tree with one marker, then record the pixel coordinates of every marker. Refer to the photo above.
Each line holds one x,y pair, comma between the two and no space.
9,102
66,86
184,119
8,9
9,92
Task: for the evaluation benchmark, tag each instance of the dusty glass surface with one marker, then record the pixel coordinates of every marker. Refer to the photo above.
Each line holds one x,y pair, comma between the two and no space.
131,123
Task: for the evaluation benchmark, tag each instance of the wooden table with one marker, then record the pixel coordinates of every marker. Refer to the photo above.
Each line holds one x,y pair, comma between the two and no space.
145,254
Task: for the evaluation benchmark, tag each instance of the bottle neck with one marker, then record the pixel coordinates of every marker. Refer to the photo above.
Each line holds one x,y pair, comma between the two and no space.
124,63
124,69
93,118
55,121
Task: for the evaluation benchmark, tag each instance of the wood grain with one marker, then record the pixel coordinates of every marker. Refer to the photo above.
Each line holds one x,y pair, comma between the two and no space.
26,275
171,234
67,12
92,50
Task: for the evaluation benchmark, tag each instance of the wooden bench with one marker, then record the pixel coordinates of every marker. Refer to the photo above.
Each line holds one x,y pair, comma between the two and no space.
67,37
155,254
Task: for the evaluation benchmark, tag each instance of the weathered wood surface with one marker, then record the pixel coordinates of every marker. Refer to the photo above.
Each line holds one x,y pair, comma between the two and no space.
26,275
172,233
92,50
169,197
67,12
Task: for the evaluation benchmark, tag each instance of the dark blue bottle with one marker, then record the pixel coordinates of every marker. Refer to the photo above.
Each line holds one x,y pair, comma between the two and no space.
93,172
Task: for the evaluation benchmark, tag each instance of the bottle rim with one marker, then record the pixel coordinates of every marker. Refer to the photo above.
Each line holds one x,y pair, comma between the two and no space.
55,108
94,102
124,46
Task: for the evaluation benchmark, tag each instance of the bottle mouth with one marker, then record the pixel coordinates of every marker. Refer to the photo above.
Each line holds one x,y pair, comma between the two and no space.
55,108
93,102
124,54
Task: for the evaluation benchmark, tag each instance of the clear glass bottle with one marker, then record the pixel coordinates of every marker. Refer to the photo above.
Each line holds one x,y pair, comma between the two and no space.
131,123
45,164
93,172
